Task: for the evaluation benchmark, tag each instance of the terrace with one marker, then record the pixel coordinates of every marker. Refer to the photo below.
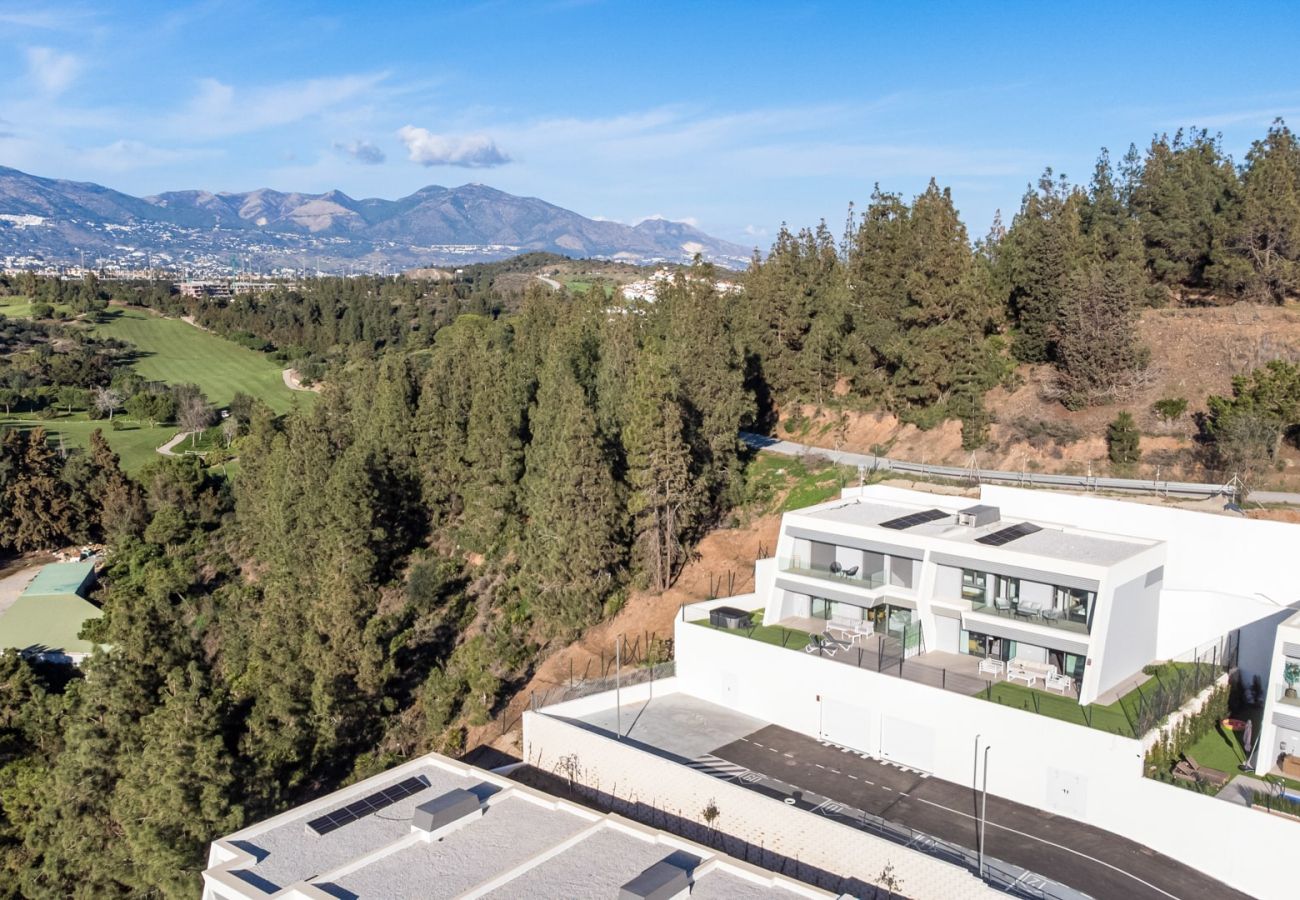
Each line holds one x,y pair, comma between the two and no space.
1131,709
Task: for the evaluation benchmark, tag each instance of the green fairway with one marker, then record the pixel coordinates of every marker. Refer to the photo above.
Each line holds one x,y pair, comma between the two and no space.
21,307
179,353
135,443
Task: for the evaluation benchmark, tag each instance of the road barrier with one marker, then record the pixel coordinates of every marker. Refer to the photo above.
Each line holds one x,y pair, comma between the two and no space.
870,463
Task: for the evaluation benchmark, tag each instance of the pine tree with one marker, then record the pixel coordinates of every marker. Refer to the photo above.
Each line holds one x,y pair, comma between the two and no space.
664,501
1098,351
1123,440
1257,249
180,789
573,554
1042,249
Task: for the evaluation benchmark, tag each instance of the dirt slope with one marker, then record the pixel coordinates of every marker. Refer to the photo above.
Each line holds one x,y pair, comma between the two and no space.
725,550
1194,353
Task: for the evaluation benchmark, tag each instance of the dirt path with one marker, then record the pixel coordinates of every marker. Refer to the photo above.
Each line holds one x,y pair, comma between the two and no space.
167,448
723,552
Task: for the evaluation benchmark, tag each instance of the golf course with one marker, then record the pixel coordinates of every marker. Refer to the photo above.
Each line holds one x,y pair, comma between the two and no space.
171,351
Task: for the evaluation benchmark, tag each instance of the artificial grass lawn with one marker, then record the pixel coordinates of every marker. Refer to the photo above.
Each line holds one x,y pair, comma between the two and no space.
1117,717
790,638
135,444
176,352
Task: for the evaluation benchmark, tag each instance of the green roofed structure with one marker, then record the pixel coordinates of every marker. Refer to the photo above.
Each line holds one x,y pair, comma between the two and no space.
47,617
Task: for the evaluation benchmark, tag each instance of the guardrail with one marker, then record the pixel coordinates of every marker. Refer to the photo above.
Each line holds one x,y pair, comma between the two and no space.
873,463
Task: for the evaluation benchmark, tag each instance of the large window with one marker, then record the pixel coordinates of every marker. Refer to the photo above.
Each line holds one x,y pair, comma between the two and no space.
1006,588
974,585
1075,604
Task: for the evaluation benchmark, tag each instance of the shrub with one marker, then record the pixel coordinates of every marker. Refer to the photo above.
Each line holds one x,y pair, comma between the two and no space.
1170,409
1040,433
42,311
1123,440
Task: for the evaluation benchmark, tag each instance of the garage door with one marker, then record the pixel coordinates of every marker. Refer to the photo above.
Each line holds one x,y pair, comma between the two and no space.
845,724
907,743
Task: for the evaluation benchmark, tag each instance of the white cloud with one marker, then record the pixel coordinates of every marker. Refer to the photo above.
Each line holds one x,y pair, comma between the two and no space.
52,71
363,152
221,110
472,151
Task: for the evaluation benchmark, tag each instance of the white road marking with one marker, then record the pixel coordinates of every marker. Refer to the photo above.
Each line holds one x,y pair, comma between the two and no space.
1032,837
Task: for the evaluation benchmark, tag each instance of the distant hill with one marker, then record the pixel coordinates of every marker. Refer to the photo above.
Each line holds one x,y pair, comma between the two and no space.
56,221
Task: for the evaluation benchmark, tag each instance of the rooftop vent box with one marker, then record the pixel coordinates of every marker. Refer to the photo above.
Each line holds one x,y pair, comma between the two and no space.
448,809
662,881
978,516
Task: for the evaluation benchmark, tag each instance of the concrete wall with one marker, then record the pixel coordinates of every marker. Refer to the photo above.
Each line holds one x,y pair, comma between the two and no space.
1130,638
947,582
645,787
1063,768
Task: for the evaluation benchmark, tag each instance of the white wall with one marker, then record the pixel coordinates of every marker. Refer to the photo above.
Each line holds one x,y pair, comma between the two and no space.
1129,641
1068,769
643,787
947,582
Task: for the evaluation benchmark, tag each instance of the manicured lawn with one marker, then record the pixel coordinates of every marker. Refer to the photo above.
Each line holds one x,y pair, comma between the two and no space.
1118,717
178,353
790,638
1047,703
21,307
1220,749
135,444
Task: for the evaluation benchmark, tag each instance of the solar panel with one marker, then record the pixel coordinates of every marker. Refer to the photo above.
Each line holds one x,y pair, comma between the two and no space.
914,519
1007,535
332,821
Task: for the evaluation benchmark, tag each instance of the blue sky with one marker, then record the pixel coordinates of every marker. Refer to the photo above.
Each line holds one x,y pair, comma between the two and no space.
736,116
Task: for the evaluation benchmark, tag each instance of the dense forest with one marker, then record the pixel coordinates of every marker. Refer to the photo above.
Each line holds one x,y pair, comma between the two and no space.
485,476
914,317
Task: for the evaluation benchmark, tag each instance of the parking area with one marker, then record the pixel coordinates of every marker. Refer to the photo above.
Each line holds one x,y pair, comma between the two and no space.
1045,854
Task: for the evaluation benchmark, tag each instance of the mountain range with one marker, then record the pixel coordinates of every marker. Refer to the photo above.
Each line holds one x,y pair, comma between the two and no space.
45,220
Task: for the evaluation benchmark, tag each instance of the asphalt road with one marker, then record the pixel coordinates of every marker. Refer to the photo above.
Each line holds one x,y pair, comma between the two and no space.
1037,479
1099,863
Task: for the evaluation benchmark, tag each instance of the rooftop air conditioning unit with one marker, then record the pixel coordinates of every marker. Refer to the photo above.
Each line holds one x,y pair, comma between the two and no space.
978,516
446,813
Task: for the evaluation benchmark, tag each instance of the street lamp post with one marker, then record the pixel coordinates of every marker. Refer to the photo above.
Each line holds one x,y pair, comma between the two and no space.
984,808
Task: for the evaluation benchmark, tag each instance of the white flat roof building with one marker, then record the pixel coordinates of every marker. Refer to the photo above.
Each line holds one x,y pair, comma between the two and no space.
1091,590
438,828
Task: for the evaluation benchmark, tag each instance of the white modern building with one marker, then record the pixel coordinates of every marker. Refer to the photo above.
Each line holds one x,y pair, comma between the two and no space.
926,599
1076,610
1278,748
437,828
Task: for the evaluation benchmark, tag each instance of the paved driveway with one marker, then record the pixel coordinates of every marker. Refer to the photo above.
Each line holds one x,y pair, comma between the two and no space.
831,781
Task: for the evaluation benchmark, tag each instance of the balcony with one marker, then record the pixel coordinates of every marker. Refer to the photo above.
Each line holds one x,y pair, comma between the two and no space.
1073,620
852,576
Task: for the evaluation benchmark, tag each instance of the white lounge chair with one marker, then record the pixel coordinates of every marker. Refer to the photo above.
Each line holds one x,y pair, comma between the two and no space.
1062,683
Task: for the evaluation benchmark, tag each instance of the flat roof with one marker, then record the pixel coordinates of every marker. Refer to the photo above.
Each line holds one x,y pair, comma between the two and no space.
61,578
1053,541
47,623
525,844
